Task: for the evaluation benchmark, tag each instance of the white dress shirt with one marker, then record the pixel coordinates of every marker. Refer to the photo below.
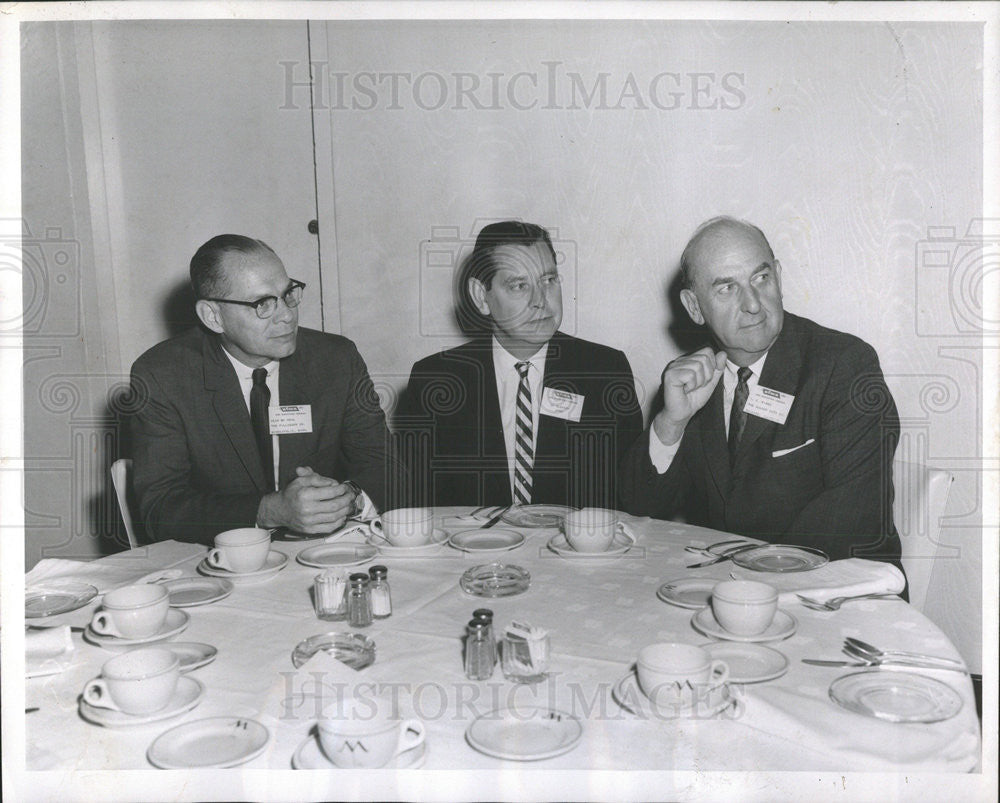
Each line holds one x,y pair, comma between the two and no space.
508,380
662,455
244,373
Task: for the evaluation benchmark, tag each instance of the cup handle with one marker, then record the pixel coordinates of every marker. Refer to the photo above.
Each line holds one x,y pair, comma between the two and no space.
96,694
102,625
411,734
216,560
718,673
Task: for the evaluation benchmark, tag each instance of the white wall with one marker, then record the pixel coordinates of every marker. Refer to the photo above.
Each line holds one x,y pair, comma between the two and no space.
846,143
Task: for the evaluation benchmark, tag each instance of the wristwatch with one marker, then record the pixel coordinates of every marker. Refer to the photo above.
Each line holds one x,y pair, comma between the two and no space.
358,506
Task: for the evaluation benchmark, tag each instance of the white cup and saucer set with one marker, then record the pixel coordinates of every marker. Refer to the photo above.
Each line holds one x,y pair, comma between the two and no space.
134,616
592,533
243,556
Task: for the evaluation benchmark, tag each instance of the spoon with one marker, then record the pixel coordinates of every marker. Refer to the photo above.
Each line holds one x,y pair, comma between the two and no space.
862,648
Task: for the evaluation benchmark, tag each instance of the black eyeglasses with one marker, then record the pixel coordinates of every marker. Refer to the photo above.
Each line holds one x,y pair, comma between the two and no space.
265,307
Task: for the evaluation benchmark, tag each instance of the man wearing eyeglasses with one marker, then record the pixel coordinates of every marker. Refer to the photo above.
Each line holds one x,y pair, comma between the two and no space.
523,413
252,420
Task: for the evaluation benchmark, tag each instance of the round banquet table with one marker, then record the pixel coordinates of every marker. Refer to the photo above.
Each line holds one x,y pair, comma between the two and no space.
599,613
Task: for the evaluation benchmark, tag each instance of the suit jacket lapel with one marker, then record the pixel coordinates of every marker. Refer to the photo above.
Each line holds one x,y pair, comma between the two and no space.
496,485
292,390
781,373
713,440
227,399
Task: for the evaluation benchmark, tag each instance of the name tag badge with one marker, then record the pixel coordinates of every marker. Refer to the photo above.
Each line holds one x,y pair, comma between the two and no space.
770,404
561,404
290,419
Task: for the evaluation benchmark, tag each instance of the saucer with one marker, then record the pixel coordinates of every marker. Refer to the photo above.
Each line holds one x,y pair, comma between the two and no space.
192,654
524,734
779,558
188,592
687,592
748,663
175,622
310,756
52,597
186,696
438,539
275,563
630,697
486,540
216,742
536,515
896,696
622,543
336,555
782,627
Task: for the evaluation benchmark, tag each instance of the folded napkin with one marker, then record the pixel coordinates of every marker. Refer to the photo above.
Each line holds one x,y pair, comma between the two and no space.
117,570
839,578
48,652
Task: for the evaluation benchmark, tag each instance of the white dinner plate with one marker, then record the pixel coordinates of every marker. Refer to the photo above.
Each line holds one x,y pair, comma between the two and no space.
186,696
175,622
326,556
622,543
192,654
630,697
525,734
187,592
782,627
488,540
749,663
216,742
536,515
778,558
275,562
687,592
52,597
896,696
438,539
310,756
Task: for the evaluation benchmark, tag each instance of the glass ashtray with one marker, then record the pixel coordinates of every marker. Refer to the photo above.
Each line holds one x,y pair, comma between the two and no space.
495,580
353,649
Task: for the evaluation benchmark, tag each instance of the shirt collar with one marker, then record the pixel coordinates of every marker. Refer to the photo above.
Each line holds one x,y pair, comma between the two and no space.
244,372
758,366
506,361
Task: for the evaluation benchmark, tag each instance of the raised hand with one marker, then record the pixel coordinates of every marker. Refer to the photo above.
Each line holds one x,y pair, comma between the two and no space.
688,382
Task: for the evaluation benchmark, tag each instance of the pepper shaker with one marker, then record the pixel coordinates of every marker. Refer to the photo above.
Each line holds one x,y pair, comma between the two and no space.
480,651
359,603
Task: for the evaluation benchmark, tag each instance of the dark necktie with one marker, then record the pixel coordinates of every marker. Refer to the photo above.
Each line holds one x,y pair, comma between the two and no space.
524,452
738,418
260,400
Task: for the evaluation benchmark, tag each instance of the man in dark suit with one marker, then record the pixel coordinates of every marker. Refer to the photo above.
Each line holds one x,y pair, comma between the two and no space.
786,433
253,420
524,413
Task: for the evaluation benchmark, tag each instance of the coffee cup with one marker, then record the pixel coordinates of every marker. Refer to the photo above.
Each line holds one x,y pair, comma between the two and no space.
137,682
367,734
240,551
132,612
744,607
675,675
408,526
591,529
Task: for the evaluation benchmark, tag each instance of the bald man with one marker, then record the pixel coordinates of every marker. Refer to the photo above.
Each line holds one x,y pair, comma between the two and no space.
782,430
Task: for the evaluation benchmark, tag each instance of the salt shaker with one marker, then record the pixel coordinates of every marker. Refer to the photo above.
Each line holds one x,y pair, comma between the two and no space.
380,592
359,602
329,596
480,651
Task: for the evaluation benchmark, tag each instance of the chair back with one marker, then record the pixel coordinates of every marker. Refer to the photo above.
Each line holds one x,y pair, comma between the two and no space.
921,494
121,471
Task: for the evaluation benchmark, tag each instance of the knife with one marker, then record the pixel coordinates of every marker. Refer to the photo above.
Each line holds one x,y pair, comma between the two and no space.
725,556
497,517
877,664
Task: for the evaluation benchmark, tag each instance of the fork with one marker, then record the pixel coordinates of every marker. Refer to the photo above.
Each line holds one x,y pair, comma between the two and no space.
834,603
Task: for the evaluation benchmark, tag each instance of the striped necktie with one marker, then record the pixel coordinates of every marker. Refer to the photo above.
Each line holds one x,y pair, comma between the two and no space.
524,452
738,418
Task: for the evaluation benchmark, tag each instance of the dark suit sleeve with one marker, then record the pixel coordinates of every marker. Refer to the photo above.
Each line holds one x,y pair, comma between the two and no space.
644,491
628,417
172,505
858,433
412,430
365,445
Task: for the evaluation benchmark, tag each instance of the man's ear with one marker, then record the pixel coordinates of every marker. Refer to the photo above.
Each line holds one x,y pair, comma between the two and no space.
208,313
777,276
477,292
690,302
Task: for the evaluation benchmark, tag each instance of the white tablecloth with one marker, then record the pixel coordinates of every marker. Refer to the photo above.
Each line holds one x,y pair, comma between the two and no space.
599,614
